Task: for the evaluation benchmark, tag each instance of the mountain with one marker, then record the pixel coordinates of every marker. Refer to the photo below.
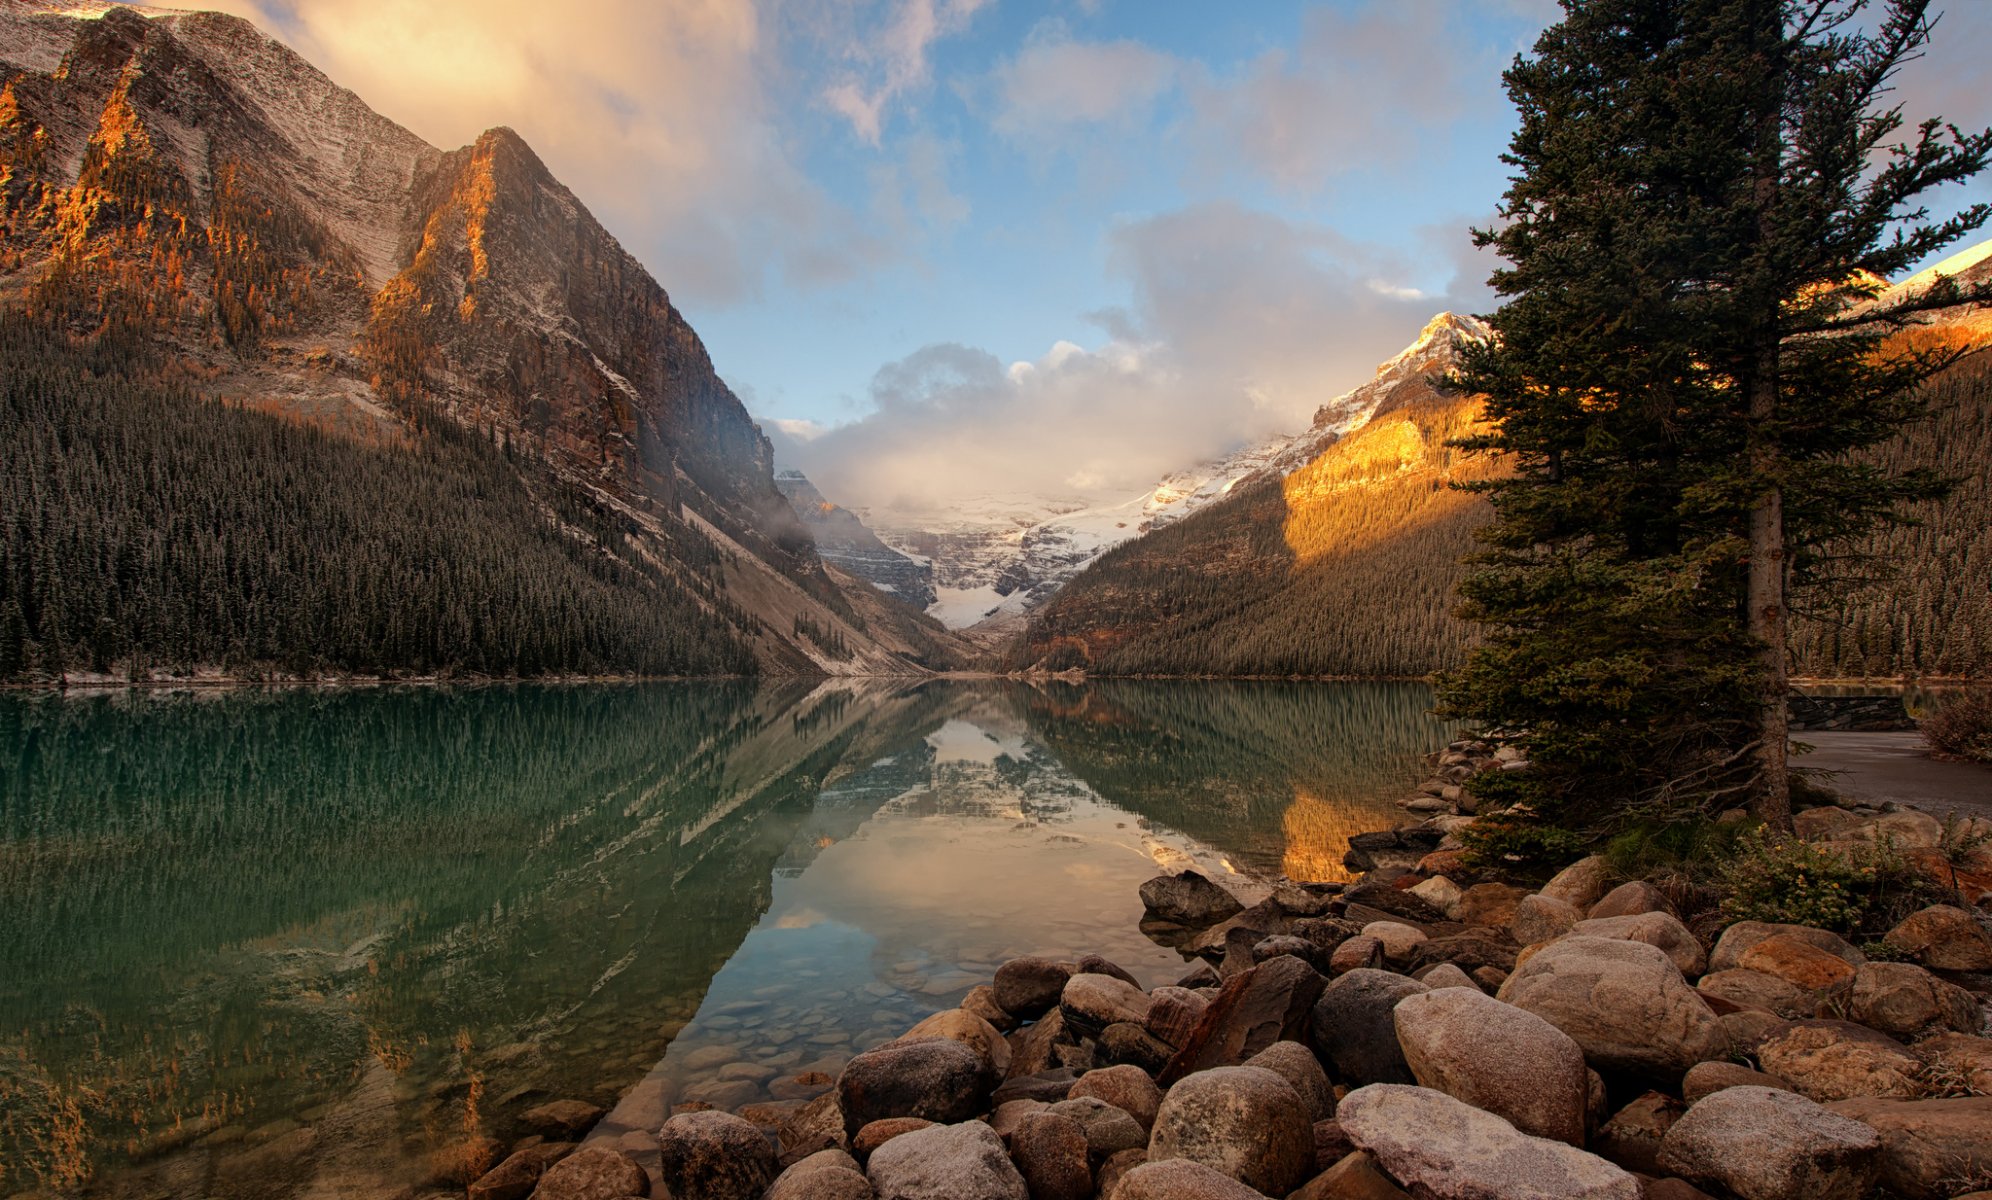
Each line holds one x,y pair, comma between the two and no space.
194,200
1338,558
996,560
842,538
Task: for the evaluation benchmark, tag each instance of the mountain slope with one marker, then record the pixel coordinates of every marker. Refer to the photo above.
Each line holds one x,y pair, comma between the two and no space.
1345,566
192,196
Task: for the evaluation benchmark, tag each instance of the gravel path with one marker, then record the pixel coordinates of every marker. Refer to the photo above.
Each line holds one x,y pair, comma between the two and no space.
1895,766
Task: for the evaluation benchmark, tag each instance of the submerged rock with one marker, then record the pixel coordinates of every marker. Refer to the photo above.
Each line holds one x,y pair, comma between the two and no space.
1189,899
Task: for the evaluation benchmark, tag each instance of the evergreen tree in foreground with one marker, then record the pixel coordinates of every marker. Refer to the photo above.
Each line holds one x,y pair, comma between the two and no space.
1707,196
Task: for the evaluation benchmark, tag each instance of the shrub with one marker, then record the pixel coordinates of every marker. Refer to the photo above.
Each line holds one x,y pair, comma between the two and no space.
1781,879
1962,728
1515,844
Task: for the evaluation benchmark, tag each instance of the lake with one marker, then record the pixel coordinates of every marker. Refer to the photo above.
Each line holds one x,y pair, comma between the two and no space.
327,942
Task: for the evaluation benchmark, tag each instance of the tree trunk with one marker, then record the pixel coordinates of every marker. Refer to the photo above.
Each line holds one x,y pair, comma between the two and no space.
1766,600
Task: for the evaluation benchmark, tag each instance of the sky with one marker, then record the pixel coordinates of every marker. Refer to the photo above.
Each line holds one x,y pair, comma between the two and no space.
949,249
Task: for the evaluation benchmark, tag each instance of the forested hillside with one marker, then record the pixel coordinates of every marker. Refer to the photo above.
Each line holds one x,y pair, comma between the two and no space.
146,528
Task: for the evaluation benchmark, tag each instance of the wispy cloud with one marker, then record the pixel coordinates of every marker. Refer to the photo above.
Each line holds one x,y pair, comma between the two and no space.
891,62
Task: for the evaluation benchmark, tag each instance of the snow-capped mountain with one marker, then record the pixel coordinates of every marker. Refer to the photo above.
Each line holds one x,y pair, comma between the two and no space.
994,560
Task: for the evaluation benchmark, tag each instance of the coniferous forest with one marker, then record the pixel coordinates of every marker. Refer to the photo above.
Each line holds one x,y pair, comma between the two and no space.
148,528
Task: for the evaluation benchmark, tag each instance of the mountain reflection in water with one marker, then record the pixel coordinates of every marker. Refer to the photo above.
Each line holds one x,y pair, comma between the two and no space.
278,943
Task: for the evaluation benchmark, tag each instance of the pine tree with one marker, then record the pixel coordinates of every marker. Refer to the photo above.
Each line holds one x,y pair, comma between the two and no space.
1708,194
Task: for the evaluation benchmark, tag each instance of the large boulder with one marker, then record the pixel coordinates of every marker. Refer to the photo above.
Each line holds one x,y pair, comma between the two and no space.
1029,987
1189,899
937,1079
1927,1146
960,1025
1903,999
1180,1179
1129,1089
879,1132
1269,1003
1738,938
1352,1177
1354,1032
1959,1056
1839,1060
1628,899
1801,964
1173,1013
1489,904
1659,929
1108,1130
1297,1065
946,1162
1764,1144
1050,1153
1579,885
714,1156
1625,1003
1631,1137
1245,1122
515,1178
1744,988
1442,1149
825,1175
1034,1048
1469,951
593,1173
1541,918
1397,939
1943,937
1090,1003
1498,1058
981,1000
1705,1079
816,1126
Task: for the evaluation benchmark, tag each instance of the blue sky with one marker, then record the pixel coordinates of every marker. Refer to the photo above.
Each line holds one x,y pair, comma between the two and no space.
948,248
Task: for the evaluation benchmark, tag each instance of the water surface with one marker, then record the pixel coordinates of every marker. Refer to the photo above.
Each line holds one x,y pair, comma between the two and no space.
306,943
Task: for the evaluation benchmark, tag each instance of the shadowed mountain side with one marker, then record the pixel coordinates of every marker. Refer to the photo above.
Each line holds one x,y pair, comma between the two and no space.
628,836
1345,567
1276,775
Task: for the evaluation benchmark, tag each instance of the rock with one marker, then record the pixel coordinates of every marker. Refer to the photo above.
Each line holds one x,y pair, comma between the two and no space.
1800,964
1353,1177
1129,1044
1446,975
1658,929
960,1025
1903,999
1632,1137
1753,989
1490,904
1115,1167
562,1119
946,1162
1287,943
1442,1149
1540,918
1469,951
1029,987
1180,1179
981,1000
515,1178
1439,892
1200,976
1353,1030
1047,1086
1391,901
1747,1028
1245,1122
1356,954
714,1156
1906,828
1267,1004
938,1079
1943,937
1050,1154
1004,1118
1838,1060
1090,1003
1490,979
1966,1060
1738,938
1173,1013
1397,939
1189,899
1497,1058
1094,964
1331,1145
1625,1003
593,1173
1129,1089
1579,885
878,1133
1034,1048
1704,1079
1630,899
1765,1144
1108,1130
1927,1146
825,1175
817,1126
1297,1065
1826,823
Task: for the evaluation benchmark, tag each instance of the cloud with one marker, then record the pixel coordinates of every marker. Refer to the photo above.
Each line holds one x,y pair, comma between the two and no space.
1055,82
893,61
1238,324
660,114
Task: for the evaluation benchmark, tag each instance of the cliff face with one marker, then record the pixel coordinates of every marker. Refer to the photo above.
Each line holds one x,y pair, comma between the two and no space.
181,182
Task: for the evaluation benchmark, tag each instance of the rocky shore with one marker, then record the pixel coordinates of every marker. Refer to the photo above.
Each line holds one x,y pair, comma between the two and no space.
1416,1033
